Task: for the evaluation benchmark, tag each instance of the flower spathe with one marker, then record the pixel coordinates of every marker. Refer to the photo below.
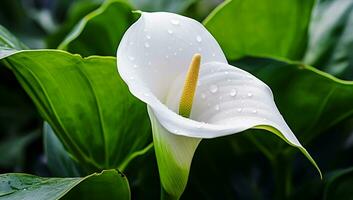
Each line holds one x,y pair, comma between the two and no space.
153,59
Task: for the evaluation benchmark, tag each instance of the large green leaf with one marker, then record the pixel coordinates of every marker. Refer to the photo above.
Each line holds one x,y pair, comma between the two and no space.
99,32
331,38
87,104
257,27
109,184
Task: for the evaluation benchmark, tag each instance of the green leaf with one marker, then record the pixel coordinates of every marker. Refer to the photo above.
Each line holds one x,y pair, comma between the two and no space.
110,184
87,104
58,160
256,27
99,32
339,185
331,38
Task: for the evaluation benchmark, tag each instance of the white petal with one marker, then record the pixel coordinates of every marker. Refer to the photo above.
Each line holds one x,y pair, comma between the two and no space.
227,100
158,48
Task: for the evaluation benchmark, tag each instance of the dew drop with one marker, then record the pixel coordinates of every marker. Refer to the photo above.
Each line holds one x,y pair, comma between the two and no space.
213,54
170,31
254,111
249,94
213,88
175,22
135,66
233,92
132,78
216,107
166,56
148,37
239,109
203,96
146,94
147,45
131,58
198,38
226,72
176,131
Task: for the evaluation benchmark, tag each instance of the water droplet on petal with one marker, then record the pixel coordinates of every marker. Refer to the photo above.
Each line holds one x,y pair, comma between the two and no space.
203,96
239,109
170,31
249,94
148,37
216,107
147,45
254,111
166,56
146,94
213,54
176,131
226,72
175,22
131,58
198,38
213,88
233,92
135,66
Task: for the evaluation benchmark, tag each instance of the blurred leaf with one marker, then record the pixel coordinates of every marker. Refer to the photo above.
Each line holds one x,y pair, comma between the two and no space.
256,27
178,6
331,39
110,184
12,150
76,12
87,104
339,185
9,43
99,32
58,160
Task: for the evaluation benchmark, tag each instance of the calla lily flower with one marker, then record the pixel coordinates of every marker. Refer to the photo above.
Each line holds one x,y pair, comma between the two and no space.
174,65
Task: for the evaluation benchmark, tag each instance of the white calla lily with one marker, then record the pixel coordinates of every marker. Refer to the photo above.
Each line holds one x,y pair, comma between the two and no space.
153,59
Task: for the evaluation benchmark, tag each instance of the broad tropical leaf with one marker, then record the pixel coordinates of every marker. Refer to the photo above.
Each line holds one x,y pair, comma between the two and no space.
71,94
109,184
257,27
